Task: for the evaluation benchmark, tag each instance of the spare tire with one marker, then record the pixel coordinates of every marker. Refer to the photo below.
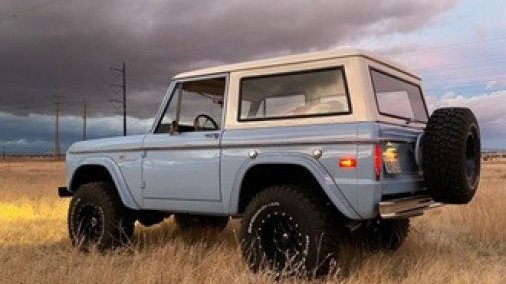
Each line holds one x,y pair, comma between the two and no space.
451,155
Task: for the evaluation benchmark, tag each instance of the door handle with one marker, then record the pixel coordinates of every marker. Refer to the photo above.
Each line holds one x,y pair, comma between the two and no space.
212,135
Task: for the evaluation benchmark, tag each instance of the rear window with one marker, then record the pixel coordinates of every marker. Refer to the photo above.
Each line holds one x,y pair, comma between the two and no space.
398,98
301,94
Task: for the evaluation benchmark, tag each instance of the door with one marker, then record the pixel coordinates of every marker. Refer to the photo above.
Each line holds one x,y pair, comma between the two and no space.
182,156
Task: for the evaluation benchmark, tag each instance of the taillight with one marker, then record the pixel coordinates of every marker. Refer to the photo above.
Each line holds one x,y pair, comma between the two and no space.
377,161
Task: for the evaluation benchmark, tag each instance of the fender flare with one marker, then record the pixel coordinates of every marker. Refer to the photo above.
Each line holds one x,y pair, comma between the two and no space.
116,175
318,171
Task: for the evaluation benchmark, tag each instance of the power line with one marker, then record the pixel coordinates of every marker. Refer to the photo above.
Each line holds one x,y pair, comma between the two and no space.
33,8
123,86
465,90
85,105
478,86
456,44
476,68
478,64
57,105
465,78
23,108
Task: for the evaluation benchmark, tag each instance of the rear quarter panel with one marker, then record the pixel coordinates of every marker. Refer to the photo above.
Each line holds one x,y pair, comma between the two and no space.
293,145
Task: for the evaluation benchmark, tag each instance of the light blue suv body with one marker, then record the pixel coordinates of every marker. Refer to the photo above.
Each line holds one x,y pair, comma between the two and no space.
346,122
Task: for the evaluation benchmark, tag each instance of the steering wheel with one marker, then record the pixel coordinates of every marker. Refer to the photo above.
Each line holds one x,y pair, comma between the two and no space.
199,126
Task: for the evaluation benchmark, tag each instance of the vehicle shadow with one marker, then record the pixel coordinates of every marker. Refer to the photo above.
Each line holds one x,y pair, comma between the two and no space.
353,252
149,240
167,232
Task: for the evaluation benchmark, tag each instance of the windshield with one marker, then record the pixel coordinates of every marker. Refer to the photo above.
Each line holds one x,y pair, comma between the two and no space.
398,98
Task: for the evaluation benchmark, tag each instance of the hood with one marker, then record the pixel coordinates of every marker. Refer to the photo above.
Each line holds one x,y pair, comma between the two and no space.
122,143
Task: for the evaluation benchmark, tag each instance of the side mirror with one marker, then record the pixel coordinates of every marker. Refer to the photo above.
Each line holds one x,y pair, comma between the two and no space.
173,128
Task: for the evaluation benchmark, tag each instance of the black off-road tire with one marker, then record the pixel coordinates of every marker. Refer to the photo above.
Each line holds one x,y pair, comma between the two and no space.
97,218
290,230
190,222
452,155
386,235
150,217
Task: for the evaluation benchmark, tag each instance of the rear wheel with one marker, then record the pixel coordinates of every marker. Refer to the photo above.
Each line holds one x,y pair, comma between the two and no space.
97,218
452,155
290,230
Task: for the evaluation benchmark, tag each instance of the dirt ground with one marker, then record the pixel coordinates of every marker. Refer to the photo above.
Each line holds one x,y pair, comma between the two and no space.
453,244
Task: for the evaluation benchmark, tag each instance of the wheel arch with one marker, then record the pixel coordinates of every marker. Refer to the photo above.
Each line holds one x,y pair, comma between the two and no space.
100,169
286,168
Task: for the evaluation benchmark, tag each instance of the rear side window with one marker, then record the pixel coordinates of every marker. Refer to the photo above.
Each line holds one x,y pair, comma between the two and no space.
301,94
398,98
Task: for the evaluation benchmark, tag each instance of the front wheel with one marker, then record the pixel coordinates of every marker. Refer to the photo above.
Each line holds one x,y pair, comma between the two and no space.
97,218
289,229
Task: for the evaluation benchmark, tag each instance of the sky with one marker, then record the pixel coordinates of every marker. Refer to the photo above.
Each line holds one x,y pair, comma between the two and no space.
66,48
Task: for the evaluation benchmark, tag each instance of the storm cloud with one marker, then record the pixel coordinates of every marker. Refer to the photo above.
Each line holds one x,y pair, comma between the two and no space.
67,47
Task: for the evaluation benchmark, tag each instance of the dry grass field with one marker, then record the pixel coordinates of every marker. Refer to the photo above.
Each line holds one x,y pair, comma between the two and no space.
464,244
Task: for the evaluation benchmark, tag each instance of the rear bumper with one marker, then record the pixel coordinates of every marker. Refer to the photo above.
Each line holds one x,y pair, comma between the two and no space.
406,207
64,192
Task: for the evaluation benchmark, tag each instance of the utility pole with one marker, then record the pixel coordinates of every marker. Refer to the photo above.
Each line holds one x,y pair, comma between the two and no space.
84,118
3,152
122,71
57,105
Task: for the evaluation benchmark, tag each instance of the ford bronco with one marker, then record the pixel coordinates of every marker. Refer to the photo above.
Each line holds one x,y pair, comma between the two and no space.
306,149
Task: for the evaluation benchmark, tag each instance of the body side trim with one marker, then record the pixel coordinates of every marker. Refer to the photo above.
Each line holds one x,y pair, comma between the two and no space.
246,144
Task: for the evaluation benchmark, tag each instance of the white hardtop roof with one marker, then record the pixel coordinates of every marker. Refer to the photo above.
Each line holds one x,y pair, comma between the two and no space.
297,58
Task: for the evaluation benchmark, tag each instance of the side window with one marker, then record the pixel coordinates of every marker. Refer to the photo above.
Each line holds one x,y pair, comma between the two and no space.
194,106
309,93
398,98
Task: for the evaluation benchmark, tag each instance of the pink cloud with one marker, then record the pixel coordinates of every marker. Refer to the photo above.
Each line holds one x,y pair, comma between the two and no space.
490,110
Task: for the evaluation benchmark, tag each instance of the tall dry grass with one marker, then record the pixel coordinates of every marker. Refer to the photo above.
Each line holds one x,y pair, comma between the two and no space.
454,244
